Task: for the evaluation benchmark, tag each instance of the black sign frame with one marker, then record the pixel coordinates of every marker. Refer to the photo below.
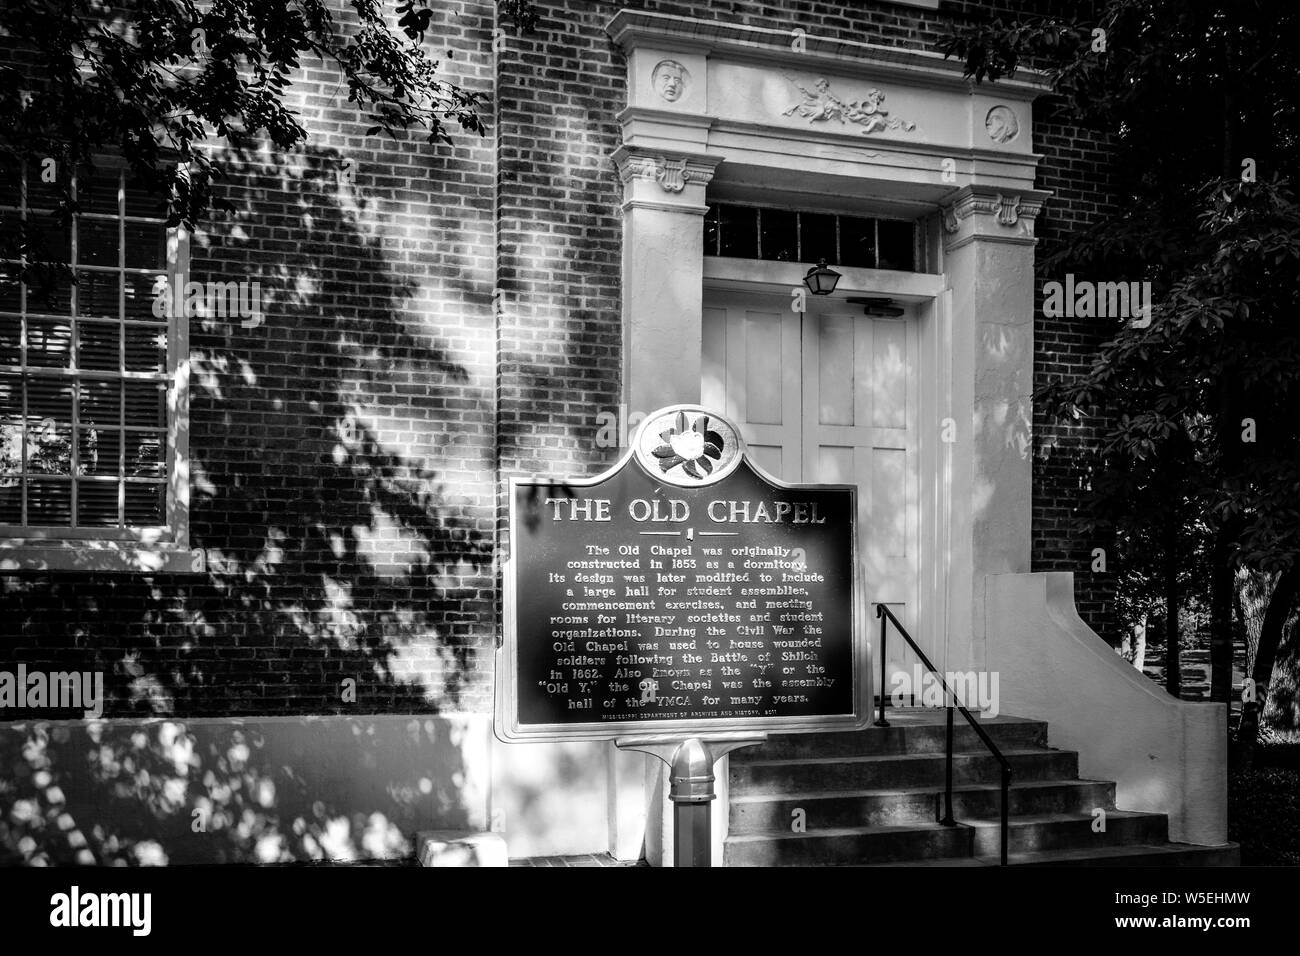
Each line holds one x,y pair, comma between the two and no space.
507,724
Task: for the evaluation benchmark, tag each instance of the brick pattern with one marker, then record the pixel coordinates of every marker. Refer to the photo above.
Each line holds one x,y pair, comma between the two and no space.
342,451
450,320
1076,168
559,242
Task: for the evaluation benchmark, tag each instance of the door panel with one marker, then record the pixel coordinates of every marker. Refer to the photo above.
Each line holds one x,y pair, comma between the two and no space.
859,381
891,373
751,371
830,396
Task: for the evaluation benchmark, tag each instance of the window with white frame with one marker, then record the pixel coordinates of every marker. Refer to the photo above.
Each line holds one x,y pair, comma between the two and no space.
91,422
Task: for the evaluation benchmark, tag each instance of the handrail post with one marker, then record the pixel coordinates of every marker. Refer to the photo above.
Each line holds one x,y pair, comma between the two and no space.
884,614
948,819
1006,798
880,721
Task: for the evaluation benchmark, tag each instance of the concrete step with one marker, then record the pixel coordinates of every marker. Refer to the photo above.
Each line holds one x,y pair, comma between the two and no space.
1046,832
872,798
1037,834
1034,796
774,813
909,732
840,846
1157,854
896,771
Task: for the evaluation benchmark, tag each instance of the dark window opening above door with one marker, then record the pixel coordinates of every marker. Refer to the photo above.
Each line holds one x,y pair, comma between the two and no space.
790,235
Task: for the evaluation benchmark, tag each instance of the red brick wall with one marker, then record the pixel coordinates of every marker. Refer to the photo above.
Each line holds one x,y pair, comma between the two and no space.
345,452
342,451
1075,167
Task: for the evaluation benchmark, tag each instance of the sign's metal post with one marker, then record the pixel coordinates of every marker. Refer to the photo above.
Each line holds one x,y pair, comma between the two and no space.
690,773
691,791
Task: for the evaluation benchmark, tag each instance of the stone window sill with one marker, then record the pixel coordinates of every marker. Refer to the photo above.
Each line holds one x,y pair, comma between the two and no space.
25,554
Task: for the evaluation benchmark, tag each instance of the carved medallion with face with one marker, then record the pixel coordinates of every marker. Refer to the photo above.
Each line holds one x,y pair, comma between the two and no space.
1001,124
669,80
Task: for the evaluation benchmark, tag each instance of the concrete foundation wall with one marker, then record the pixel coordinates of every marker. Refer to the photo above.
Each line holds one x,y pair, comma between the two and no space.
291,789
287,789
1165,755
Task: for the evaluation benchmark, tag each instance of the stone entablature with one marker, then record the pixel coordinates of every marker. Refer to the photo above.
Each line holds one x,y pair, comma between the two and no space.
897,115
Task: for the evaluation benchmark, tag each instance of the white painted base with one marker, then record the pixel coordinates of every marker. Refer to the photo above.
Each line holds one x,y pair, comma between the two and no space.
460,848
290,789
1165,755
550,799
350,788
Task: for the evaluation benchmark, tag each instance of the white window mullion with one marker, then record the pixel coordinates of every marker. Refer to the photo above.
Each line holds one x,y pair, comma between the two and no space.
74,451
22,348
178,396
121,345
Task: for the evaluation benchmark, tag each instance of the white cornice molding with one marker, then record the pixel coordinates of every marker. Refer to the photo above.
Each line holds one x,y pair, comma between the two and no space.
630,29
833,137
670,117
650,132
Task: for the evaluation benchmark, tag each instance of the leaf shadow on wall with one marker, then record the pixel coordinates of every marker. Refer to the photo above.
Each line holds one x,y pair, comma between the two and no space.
345,572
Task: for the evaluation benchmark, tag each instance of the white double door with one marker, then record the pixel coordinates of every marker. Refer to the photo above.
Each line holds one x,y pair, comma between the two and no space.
830,396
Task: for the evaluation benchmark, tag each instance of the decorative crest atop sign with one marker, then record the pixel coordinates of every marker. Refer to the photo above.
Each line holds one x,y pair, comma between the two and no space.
688,446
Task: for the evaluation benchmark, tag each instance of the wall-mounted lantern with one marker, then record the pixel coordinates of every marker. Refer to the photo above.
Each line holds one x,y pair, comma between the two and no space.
821,280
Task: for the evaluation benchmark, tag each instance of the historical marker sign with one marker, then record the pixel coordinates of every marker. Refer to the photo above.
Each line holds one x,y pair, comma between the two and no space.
682,591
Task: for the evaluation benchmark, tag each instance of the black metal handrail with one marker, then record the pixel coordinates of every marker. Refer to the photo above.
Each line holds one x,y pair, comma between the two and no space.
885,614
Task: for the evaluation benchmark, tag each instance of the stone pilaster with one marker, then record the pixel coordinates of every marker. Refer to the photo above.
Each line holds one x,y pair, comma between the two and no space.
989,262
663,274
